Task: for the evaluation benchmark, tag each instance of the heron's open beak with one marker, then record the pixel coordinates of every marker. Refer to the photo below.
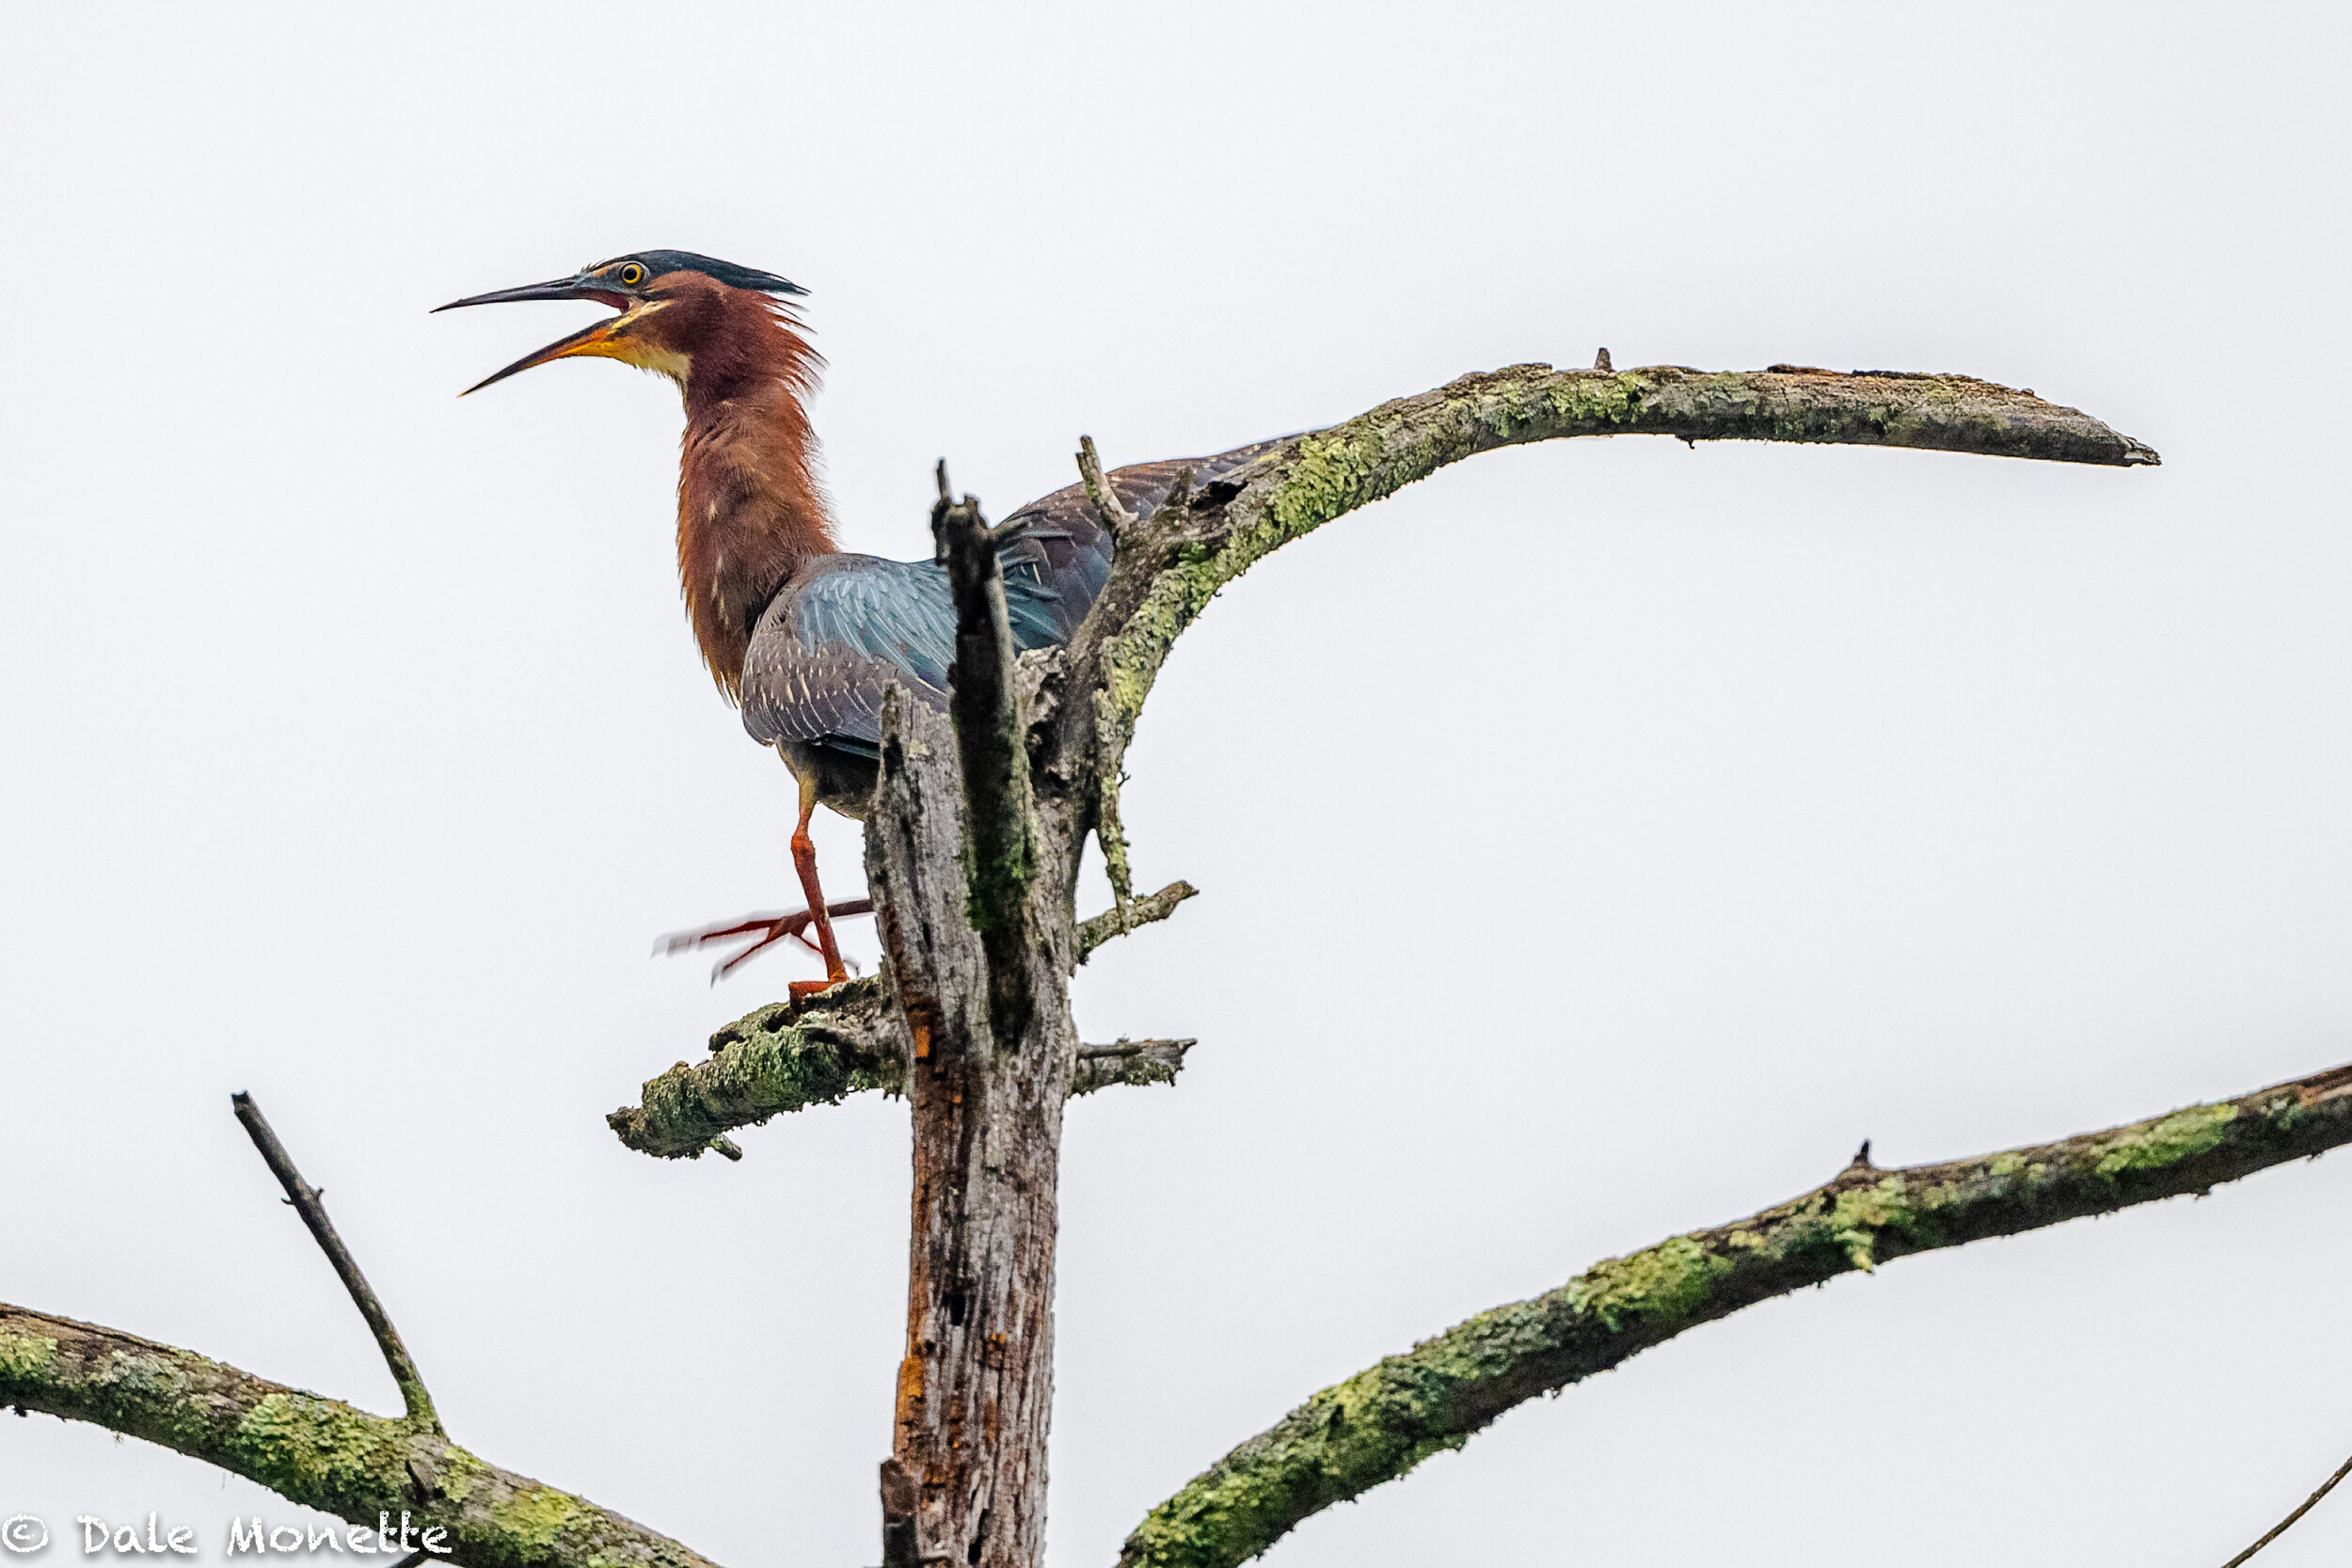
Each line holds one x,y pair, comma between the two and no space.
596,339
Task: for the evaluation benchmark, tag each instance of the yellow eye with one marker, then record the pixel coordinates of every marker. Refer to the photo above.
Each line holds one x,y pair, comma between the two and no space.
632,275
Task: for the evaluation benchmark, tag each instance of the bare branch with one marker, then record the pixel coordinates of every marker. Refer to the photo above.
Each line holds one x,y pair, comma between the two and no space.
1171,563
1115,517
1135,1062
2280,1527
1118,921
305,1199
784,1058
1382,1422
819,1051
321,1454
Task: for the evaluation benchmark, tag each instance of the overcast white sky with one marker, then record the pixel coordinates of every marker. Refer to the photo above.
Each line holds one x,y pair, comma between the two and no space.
1598,840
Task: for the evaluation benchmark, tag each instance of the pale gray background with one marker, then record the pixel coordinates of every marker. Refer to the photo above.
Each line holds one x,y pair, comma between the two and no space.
356,749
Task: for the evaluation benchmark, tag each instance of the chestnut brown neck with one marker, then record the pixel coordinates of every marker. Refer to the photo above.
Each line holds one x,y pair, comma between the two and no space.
748,510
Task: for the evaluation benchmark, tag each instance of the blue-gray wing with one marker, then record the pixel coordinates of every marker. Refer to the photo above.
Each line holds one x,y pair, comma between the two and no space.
836,637
847,627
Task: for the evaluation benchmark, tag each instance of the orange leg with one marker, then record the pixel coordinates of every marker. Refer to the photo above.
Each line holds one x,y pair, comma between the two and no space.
769,929
805,862
765,929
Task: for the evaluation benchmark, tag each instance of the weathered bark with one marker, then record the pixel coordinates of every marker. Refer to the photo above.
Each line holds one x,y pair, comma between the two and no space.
1383,1421
975,1387
315,1451
974,902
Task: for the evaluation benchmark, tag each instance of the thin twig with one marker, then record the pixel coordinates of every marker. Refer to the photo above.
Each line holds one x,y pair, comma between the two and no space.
1094,932
2280,1527
305,1199
1107,506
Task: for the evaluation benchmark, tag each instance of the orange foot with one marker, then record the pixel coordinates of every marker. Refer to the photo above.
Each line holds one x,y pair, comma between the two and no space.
767,930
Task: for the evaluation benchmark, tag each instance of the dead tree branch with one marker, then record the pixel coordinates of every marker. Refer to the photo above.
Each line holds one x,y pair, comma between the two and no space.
1136,1062
791,1055
319,1452
305,1199
1174,560
2282,1526
1112,922
1383,1421
1116,518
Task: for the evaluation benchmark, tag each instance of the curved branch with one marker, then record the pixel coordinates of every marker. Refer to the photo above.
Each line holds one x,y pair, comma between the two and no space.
1383,1421
321,1454
1171,563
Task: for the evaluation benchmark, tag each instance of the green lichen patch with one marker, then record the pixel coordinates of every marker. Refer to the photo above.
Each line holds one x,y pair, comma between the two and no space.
539,1516
319,1450
1666,1283
2161,1145
26,1357
1861,1212
781,1058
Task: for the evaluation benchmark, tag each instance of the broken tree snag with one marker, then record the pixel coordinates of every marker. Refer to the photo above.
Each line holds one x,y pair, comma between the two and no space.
975,1390
1134,1062
1383,1421
984,703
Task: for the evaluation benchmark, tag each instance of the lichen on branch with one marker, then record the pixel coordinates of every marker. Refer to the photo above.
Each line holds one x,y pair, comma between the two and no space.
819,1051
783,1058
1380,1423
319,1452
1174,560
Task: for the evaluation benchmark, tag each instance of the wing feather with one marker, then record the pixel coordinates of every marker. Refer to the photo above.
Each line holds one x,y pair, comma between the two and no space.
847,627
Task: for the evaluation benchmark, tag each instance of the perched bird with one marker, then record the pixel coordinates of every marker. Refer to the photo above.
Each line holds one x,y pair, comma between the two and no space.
803,636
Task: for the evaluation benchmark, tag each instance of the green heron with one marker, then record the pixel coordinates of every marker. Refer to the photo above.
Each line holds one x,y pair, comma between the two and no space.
803,636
